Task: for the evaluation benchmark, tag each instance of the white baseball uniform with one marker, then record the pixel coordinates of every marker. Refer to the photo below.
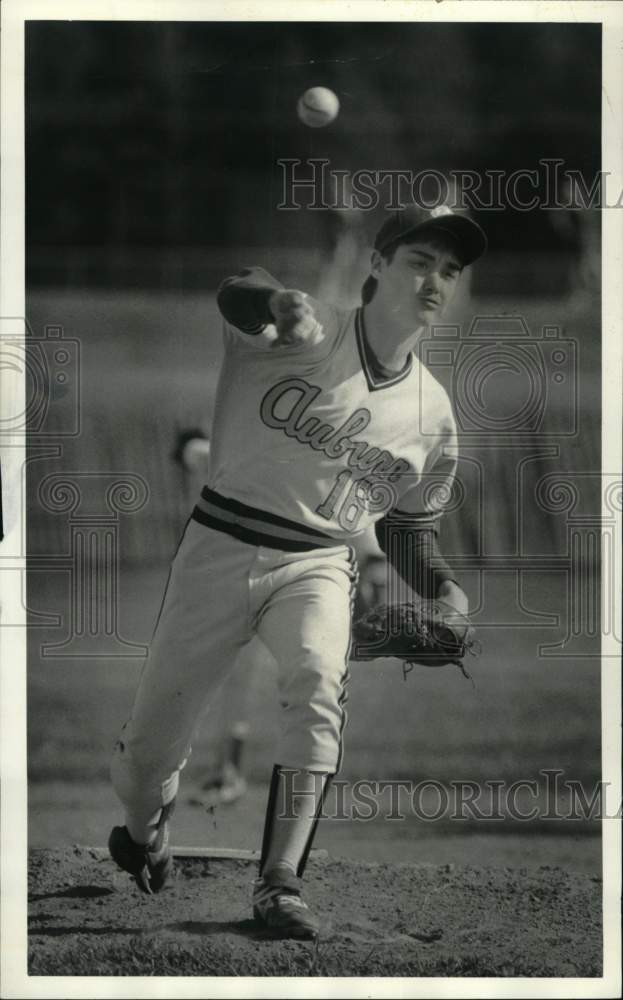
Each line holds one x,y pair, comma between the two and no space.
309,448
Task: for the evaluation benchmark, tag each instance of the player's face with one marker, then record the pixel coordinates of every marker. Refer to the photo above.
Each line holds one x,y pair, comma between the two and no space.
419,282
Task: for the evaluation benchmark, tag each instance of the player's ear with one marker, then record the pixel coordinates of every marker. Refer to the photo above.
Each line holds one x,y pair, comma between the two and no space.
376,264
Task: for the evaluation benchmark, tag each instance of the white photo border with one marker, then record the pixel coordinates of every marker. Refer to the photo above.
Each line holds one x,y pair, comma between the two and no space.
15,980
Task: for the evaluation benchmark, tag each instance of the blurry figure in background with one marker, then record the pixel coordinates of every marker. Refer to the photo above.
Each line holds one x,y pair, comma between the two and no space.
192,451
224,782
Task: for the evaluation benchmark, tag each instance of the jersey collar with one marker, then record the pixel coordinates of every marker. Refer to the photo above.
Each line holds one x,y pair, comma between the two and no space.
374,377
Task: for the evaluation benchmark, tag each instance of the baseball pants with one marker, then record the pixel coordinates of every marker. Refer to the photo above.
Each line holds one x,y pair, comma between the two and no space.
221,591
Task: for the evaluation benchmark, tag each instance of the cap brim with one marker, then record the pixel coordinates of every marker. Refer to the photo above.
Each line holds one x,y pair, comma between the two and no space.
470,238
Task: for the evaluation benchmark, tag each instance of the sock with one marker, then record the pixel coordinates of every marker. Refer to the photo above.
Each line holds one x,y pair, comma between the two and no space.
143,832
295,801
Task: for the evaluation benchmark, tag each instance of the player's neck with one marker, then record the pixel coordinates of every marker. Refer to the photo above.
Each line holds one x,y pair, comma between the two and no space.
389,340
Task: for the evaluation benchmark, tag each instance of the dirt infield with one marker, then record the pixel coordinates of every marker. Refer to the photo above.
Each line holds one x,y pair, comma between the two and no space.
87,918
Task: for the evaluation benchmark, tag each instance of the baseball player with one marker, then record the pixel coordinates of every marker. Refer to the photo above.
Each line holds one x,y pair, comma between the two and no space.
325,423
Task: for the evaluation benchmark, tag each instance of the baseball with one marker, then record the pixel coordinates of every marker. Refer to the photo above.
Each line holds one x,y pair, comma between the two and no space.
318,107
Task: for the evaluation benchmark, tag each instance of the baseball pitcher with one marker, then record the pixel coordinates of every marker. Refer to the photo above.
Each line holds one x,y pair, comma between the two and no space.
325,424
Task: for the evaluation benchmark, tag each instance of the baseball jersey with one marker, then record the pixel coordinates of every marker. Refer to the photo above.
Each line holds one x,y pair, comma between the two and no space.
309,438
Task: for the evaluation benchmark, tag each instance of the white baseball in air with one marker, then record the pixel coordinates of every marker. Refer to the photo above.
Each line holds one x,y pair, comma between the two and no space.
318,107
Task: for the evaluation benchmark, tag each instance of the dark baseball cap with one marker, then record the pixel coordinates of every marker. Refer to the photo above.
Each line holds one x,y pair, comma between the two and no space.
415,221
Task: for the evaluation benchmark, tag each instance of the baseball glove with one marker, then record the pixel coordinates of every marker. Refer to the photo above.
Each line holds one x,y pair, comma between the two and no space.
431,633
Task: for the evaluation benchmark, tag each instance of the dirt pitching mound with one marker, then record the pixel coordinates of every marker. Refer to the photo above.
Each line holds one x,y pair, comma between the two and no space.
87,919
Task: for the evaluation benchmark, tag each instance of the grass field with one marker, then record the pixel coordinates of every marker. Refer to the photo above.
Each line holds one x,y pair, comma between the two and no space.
523,715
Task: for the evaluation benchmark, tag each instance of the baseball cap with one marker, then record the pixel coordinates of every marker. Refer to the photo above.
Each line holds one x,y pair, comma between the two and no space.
417,221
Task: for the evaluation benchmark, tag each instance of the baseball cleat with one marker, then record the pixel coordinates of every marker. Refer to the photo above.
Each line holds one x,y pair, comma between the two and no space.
277,904
149,864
